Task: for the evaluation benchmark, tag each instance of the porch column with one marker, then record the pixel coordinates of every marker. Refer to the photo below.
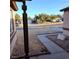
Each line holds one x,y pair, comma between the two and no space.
25,28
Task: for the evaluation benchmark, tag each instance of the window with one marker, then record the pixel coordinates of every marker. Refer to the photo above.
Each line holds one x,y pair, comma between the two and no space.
11,22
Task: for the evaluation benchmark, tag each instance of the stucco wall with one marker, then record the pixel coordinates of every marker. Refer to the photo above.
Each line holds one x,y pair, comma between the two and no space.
14,13
13,36
13,43
66,22
66,19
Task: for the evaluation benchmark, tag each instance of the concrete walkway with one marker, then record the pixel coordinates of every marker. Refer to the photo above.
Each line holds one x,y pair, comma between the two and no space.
56,51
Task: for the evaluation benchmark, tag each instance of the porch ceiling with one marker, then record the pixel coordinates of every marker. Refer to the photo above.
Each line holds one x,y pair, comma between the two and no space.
13,5
21,0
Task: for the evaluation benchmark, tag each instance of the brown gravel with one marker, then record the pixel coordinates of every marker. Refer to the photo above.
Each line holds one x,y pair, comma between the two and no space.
35,46
62,43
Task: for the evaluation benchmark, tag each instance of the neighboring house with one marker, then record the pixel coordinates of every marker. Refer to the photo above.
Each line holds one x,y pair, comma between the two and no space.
66,20
13,34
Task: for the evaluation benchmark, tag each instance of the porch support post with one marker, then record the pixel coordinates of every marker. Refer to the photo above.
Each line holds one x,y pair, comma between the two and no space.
25,28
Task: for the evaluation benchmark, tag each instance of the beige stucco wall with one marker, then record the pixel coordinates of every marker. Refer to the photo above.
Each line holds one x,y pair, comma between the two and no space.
66,22
13,43
66,19
13,37
13,15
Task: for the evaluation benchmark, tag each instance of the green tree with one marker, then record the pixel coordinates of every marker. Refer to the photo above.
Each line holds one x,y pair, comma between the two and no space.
29,18
41,18
17,17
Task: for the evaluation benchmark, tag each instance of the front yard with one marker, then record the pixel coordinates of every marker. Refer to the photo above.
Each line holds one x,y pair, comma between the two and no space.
35,46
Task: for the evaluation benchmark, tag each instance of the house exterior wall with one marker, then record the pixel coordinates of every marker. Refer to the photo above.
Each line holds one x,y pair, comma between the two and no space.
13,34
66,22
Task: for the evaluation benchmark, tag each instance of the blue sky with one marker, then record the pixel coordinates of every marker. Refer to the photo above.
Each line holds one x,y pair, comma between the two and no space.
35,7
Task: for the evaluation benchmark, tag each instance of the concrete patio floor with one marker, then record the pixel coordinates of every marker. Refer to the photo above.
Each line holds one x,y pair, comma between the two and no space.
56,51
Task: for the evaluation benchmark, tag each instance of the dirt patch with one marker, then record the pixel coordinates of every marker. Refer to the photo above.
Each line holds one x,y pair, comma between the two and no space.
62,43
35,46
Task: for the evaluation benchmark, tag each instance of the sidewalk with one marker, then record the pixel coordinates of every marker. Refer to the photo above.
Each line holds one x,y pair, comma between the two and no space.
56,51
